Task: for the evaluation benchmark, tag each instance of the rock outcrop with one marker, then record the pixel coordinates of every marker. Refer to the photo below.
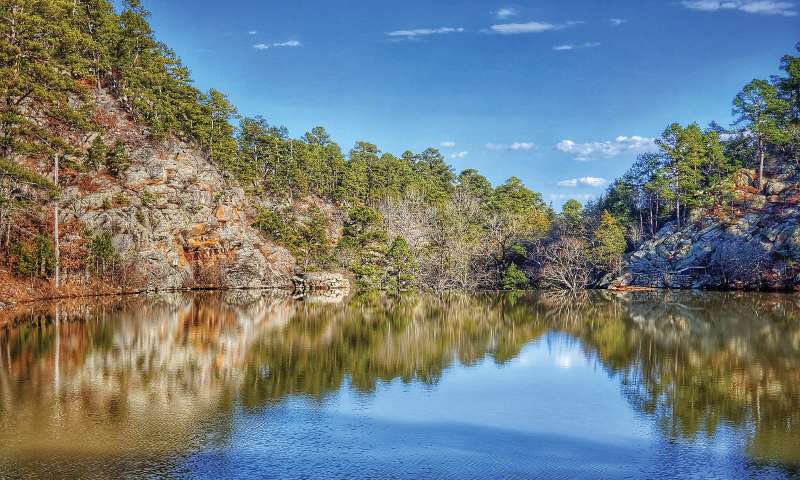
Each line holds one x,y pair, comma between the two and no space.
173,216
321,284
755,246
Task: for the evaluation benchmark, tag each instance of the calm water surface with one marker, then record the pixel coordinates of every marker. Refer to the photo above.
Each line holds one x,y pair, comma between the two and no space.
239,385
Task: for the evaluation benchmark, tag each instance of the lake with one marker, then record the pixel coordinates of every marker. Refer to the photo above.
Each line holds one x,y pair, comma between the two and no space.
535,385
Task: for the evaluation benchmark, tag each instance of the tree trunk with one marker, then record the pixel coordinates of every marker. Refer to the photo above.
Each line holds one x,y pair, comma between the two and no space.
761,166
55,226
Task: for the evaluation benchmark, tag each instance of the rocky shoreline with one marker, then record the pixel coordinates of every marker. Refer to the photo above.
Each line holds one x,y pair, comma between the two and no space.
754,246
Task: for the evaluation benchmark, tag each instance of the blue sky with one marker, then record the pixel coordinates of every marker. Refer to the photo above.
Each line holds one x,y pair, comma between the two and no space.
562,94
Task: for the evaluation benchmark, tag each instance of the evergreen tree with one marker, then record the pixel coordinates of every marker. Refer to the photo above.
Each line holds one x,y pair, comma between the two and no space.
571,218
96,155
400,267
760,109
515,279
609,240
363,244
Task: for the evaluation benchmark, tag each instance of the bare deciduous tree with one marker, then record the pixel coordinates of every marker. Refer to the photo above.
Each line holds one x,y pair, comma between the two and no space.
564,264
739,263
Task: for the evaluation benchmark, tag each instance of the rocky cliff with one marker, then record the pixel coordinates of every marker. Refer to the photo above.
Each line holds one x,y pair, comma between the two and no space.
754,245
173,216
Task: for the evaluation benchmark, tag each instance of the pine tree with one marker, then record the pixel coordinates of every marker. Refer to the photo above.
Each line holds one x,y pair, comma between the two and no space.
96,155
760,109
400,267
515,279
609,241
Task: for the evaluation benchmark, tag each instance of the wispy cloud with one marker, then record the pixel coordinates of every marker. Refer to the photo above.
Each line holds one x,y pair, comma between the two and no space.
448,144
266,46
516,146
583,181
590,151
422,32
530,27
764,7
505,12
290,43
569,46
459,155
616,22
252,32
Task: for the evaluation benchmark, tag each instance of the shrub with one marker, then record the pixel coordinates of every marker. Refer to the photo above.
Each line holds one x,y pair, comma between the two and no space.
148,198
117,161
96,155
101,251
515,279
35,259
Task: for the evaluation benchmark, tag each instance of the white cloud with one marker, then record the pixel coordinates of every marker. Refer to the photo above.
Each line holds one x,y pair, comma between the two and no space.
252,32
765,7
290,44
505,12
570,46
448,144
421,32
530,27
583,181
459,155
516,146
590,151
616,22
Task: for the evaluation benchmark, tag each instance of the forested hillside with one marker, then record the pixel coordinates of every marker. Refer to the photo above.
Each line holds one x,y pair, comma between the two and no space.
100,120
116,171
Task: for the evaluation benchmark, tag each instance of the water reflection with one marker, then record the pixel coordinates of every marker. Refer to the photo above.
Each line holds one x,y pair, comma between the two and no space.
140,379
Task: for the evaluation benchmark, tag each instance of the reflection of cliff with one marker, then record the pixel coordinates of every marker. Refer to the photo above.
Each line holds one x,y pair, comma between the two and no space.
138,377
161,376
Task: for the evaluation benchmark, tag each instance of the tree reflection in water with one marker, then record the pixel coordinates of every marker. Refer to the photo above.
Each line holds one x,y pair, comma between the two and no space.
145,375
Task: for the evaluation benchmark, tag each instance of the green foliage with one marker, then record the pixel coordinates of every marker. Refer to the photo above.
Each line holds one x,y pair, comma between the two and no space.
96,155
307,239
571,218
101,250
40,58
515,279
20,174
514,213
35,258
609,240
148,198
400,267
117,161
364,246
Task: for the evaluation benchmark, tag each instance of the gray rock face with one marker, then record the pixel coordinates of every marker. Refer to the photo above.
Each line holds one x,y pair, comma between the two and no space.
758,250
175,218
